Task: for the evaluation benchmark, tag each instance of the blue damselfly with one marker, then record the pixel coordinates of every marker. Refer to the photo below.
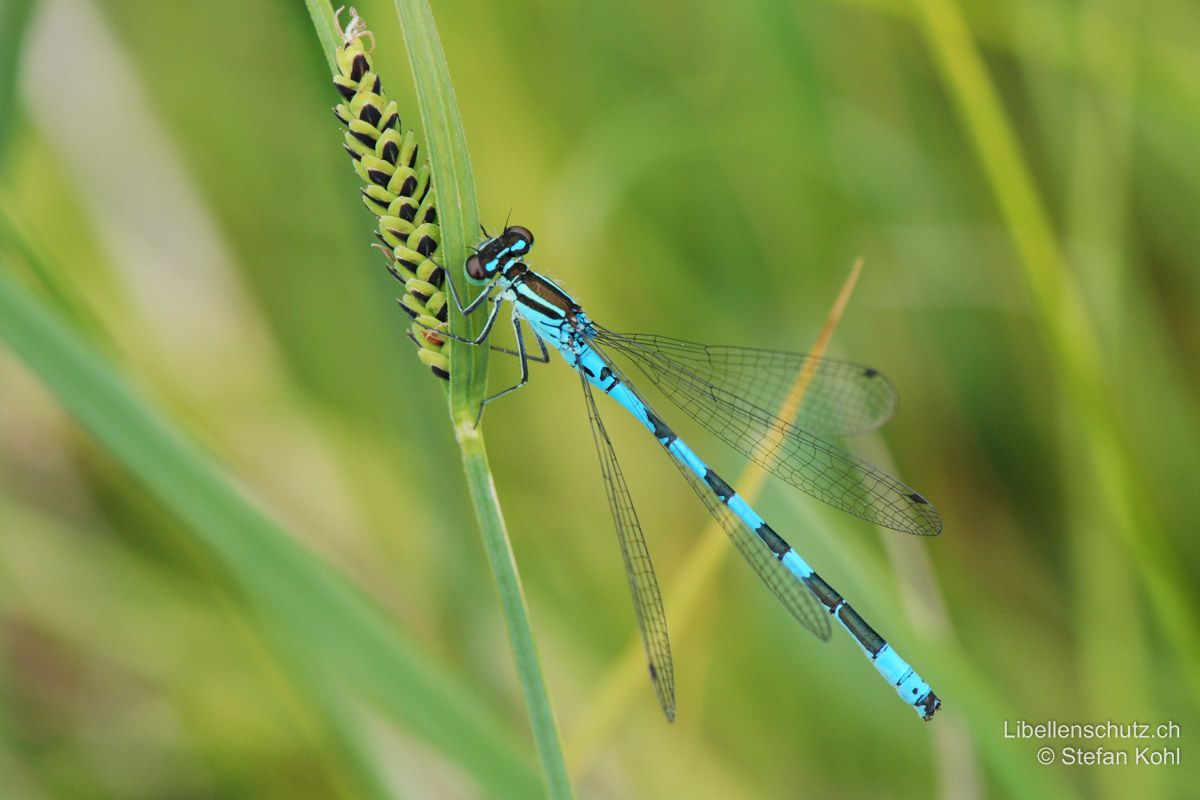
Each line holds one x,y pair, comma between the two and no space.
730,391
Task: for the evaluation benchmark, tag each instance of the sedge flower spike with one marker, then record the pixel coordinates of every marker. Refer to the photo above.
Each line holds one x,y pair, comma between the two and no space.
397,190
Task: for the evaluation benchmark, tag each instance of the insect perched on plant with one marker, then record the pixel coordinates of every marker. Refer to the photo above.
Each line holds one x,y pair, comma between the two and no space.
728,390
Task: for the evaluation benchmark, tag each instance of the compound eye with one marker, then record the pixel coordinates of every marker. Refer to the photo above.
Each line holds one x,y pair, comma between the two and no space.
520,235
475,267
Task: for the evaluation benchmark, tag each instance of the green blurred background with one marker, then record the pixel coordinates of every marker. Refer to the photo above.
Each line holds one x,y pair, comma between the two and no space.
1022,180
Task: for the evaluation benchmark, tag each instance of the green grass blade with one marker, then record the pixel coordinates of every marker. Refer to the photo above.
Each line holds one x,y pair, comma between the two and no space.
14,21
516,615
293,593
343,727
325,25
97,581
459,217
63,296
454,182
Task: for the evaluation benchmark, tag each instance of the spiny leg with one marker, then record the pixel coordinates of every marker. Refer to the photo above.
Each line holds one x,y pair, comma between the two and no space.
524,359
483,335
466,311
544,358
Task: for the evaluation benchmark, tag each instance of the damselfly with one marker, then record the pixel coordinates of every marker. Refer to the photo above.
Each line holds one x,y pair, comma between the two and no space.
730,391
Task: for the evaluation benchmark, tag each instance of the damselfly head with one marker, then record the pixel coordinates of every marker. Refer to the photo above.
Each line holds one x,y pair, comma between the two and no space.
497,253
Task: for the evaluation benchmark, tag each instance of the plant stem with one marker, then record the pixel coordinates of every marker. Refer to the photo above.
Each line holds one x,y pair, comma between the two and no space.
512,603
458,212
454,184
325,25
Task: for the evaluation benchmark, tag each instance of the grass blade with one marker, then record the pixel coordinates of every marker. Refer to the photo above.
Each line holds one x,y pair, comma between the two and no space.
294,594
325,25
14,21
458,217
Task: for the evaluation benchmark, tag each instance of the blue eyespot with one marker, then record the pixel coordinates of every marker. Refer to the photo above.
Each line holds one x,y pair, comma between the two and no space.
520,239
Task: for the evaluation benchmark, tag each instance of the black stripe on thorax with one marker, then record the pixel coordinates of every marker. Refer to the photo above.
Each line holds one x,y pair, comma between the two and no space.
538,307
550,300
